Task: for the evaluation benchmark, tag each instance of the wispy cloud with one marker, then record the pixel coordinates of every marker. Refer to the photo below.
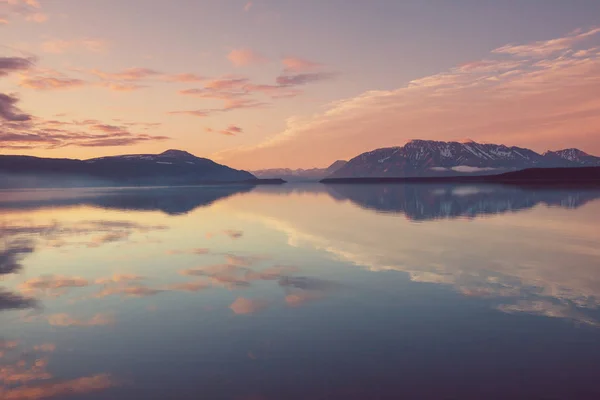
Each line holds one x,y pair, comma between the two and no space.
196,251
245,57
536,95
14,301
52,285
238,92
24,132
243,306
193,113
303,78
9,110
13,64
60,46
68,320
25,375
50,83
12,254
295,64
185,78
234,233
55,389
133,290
129,74
29,10
544,48
248,6
231,130
122,87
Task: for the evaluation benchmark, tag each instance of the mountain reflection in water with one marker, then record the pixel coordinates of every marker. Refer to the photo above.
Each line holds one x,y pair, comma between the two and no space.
300,292
425,202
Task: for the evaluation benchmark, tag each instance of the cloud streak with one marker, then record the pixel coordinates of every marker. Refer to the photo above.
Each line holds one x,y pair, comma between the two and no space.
538,95
26,132
244,306
13,64
60,46
295,64
245,57
66,320
29,10
9,110
231,130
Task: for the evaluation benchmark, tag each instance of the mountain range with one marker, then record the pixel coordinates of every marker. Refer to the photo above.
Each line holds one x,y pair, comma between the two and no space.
172,167
419,158
299,175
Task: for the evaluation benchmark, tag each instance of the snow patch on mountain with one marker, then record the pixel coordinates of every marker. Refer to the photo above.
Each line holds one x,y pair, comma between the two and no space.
469,169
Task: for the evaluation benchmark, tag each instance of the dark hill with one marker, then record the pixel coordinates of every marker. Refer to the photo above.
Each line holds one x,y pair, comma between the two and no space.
173,167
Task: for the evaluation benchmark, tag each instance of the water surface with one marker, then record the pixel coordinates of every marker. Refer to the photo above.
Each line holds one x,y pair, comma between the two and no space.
300,292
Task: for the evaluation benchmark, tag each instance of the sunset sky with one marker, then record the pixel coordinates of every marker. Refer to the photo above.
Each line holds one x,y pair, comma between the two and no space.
282,83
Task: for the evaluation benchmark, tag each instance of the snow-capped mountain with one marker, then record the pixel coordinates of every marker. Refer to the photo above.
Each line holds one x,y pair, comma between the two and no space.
573,155
435,158
290,175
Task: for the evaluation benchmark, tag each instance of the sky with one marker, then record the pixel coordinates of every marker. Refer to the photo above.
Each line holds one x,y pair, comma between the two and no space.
298,84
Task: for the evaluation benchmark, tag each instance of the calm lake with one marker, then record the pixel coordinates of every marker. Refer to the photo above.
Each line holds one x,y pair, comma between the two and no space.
300,292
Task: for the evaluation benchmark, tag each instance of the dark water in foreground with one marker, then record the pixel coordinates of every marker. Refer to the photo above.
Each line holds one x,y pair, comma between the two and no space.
300,292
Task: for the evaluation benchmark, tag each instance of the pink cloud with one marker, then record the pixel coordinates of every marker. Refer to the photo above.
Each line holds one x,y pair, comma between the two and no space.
248,6
299,64
52,284
129,74
55,389
119,278
59,46
122,87
244,57
244,306
238,104
193,113
231,130
301,298
29,10
228,83
185,78
196,251
51,83
135,290
67,320
195,286
541,95
26,132
545,48
37,17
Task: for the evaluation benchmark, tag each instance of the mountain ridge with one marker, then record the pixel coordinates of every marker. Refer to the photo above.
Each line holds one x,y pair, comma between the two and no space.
300,174
422,158
172,167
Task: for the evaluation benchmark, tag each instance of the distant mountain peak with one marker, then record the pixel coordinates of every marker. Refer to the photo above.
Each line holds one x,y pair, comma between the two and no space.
420,142
336,165
177,154
569,152
437,158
